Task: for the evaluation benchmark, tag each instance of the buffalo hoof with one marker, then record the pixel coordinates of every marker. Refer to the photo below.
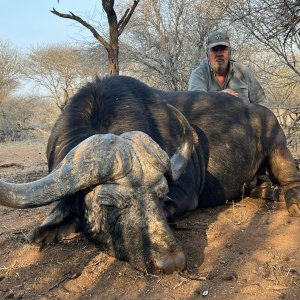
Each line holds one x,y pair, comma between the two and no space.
171,263
265,190
292,199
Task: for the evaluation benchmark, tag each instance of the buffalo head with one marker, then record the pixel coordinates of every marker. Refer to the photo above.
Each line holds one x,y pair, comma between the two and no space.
125,187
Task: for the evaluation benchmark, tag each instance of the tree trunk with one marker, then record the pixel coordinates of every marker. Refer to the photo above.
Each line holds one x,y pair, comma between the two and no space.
115,30
113,61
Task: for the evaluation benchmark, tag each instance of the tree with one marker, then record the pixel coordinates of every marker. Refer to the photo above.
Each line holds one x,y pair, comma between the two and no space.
116,27
26,117
275,24
9,70
60,70
165,40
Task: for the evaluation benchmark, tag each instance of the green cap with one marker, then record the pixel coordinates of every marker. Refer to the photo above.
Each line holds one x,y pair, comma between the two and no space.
217,38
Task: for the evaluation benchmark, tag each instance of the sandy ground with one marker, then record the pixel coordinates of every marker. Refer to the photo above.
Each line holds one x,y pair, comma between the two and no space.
246,250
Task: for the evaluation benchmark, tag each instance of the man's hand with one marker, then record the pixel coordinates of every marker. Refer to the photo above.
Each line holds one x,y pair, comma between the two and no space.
231,92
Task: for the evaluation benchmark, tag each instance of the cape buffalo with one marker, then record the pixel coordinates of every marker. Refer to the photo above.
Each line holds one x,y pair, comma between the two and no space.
123,161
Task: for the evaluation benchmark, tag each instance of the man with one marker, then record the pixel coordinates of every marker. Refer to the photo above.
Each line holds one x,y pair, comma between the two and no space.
218,72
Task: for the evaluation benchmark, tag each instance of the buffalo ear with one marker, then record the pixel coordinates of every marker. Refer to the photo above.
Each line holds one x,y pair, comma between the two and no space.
109,195
182,156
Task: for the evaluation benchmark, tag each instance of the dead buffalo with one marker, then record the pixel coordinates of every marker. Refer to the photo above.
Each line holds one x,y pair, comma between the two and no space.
123,162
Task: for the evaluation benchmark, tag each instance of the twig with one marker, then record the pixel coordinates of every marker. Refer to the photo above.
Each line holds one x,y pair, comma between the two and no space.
274,272
240,205
181,283
26,237
243,190
93,264
9,165
67,276
182,228
192,277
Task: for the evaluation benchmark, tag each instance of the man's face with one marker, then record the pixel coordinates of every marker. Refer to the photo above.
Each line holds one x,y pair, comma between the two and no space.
219,57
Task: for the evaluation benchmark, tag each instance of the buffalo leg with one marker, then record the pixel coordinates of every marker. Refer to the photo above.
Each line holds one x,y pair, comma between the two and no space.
65,218
282,166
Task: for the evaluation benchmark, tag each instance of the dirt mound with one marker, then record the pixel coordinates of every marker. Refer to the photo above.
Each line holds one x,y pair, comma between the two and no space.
245,250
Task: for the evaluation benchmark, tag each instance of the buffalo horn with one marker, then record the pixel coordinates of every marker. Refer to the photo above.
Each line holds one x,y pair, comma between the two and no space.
96,154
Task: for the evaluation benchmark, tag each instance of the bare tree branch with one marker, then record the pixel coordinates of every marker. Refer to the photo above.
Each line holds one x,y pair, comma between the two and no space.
165,40
115,30
95,33
125,19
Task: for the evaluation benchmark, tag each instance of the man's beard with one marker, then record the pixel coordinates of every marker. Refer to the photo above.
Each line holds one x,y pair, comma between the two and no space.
220,68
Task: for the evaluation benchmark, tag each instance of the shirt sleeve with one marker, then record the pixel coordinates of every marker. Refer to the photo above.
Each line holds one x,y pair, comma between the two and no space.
198,79
256,92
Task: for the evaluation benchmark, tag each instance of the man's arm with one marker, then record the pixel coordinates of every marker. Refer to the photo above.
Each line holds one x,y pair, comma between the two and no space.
198,80
256,92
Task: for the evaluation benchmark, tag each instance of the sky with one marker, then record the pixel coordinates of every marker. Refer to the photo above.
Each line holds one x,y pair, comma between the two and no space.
27,23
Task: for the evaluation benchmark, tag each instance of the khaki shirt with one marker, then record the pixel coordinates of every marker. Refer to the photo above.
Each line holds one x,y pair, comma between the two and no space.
240,79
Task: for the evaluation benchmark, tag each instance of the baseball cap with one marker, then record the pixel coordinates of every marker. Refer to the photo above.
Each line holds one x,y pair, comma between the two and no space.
217,38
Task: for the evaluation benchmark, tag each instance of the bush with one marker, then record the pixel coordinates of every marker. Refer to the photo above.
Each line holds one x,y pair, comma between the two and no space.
26,118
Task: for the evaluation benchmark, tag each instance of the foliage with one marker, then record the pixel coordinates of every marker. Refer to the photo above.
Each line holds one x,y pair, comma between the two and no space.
26,118
116,28
9,70
271,30
276,26
60,70
165,40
